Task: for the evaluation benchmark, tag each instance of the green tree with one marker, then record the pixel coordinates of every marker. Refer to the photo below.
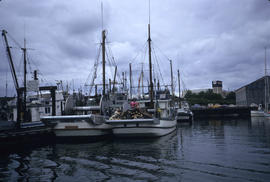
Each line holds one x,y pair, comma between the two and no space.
204,98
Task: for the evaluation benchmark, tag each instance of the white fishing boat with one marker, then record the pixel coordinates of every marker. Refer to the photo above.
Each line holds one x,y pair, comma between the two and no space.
184,114
257,113
157,117
79,125
89,120
156,125
23,124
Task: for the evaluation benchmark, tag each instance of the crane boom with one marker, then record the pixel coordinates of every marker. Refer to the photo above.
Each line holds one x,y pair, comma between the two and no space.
14,76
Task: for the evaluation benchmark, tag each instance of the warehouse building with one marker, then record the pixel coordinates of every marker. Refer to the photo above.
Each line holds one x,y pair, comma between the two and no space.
254,92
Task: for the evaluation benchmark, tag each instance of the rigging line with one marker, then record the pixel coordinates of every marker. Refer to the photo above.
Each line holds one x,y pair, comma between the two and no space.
94,68
43,78
19,46
140,50
159,68
114,64
110,65
144,55
161,51
183,84
113,61
19,69
108,57
155,55
155,58
30,62
111,54
29,65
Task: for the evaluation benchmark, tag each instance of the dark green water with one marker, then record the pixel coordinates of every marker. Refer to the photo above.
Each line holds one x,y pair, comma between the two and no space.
228,150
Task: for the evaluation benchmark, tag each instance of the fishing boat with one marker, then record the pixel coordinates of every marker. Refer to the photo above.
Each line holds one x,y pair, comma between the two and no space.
79,126
184,114
154,118
154,125
88,121
259,112
24,125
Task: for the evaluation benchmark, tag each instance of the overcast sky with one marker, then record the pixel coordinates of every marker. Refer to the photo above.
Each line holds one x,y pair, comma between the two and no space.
206,40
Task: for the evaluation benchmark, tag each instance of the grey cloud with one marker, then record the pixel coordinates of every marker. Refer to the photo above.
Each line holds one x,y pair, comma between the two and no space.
206,40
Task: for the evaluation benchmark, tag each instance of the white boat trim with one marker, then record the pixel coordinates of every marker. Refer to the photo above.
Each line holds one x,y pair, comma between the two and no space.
67,117
137,129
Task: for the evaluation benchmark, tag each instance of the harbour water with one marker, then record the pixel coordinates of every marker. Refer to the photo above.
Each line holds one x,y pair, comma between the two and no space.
209,150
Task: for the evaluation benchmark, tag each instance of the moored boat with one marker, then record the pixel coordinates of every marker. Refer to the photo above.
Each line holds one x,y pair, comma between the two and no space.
158,122
79,126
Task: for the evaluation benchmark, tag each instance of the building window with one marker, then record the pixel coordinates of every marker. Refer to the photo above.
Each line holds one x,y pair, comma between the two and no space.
47,110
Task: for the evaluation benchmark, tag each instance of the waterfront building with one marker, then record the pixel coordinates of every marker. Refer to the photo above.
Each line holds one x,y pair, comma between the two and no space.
217,87
254,92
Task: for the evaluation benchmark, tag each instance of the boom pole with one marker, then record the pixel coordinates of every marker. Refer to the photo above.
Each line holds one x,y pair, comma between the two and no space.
13,72
114,77
103,60
150,68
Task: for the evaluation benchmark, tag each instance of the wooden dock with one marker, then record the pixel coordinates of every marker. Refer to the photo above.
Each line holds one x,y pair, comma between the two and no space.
19,136
222,112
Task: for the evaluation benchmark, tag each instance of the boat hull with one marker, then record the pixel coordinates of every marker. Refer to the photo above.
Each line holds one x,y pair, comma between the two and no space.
144,130
81,129
257,113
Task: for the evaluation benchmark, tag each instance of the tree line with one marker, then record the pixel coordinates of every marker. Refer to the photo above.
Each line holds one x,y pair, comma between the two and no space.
205,98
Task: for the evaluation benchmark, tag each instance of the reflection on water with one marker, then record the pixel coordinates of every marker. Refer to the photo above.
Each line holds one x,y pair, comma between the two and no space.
216,150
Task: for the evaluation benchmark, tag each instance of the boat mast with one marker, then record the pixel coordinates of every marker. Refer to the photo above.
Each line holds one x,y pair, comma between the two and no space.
103,60
114,77
150,67
179,85
150,62
265,82
130,80
172,79
142,83
24,79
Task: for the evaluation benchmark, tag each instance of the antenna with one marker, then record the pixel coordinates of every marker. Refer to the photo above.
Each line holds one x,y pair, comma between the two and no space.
149,11
24,29
101,15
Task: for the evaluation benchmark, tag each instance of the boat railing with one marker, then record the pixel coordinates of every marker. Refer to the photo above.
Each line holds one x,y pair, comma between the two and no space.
97,119
93,118
133,121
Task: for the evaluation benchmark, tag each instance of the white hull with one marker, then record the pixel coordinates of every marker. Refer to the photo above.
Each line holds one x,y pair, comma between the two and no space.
257,113
81,129
183,117
267,115
144,130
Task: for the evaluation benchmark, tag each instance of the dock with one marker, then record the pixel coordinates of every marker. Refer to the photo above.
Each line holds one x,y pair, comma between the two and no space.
222,112
19,136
